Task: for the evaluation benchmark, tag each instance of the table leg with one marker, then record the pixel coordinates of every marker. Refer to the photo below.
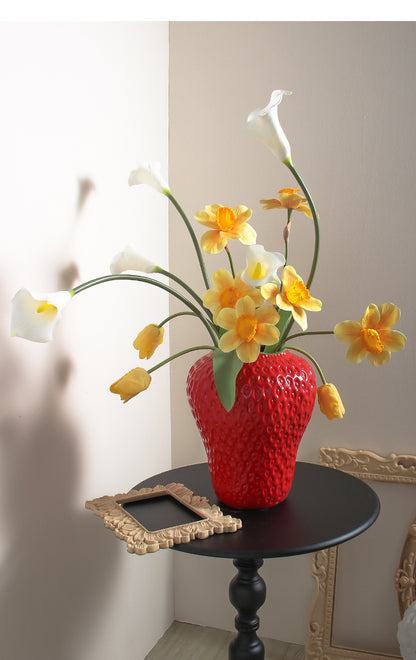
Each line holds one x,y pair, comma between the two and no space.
247,594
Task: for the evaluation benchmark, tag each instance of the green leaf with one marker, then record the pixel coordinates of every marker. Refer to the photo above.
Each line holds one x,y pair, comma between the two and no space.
285,317
226,367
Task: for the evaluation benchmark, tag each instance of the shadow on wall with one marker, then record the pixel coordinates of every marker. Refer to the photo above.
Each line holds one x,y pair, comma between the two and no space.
55,570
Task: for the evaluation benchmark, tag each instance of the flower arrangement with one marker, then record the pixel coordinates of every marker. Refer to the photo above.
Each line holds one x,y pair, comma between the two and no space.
245,312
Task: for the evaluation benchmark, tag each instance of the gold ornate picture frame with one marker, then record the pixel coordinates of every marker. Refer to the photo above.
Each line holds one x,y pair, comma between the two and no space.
395,468
141,540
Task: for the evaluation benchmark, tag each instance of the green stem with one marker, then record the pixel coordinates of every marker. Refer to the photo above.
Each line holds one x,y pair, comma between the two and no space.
173,316
317,332
173,357
289,213
183,284
305,191
312,359
230,259
315,222
193,236
148,280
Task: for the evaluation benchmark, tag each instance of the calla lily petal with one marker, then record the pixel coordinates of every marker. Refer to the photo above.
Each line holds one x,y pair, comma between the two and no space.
149,173
265,125
130,259
261,266
35,315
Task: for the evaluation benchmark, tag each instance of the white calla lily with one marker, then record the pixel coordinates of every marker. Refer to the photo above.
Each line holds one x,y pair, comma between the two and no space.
34,315
130,259
265,125
261,266
149,173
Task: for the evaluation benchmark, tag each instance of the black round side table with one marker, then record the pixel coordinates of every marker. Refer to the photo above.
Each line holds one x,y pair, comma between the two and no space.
325,507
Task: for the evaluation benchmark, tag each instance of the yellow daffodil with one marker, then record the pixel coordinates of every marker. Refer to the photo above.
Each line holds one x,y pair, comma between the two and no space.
265,125
130,259
135,381
227,291
330,401
35,315
248,328
225,223
372,337
148,340
148,173
288,199
295,297
261,266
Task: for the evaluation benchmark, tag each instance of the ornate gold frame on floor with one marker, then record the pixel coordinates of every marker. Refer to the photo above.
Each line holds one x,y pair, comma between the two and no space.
372,467
140,540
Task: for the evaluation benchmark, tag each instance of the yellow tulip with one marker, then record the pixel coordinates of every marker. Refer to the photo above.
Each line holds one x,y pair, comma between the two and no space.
330,401
148,340
135,381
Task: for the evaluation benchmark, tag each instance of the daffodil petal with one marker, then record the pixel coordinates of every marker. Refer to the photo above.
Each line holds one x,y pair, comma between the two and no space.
267,314
347,331
270,204
270,291
229,341
226,318
300,317
392,340
242,214
222,279
371,317
267,334
246,235
213,241
210,299
207,219
312,304
245,306
389,315
248,351
304,209
377,359
356,351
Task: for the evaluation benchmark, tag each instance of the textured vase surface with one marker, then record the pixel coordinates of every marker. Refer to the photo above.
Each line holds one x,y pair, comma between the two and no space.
252,449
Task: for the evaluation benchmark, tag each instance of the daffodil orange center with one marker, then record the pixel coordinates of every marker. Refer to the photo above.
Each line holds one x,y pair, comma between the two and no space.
246,327
297,293
372,340
228,297
44,306
225,218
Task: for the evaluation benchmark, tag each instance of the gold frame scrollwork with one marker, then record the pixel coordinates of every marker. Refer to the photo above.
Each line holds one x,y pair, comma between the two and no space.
140,540
367,465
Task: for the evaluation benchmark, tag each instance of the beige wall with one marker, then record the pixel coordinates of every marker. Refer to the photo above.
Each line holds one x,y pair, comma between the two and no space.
79,100
350,123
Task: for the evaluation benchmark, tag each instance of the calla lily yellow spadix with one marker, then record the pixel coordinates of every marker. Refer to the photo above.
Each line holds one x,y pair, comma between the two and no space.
35,315
261,266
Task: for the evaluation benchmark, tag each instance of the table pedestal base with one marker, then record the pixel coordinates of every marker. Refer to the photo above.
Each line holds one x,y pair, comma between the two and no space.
247,594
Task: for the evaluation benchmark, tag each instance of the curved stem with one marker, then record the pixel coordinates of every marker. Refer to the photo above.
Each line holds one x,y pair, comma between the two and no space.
312,359
183,284
230,259
298,178
148,280
286,235
173,316
303,334
315,222
173,357
192,234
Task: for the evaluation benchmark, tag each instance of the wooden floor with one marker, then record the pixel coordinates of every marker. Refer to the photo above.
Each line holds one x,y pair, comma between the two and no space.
183,641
